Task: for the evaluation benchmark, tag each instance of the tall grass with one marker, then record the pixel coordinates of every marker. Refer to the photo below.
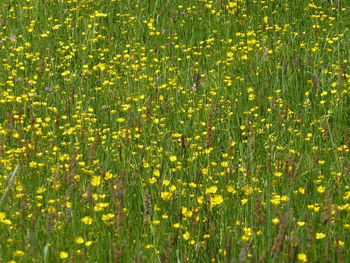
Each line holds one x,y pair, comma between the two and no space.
174,131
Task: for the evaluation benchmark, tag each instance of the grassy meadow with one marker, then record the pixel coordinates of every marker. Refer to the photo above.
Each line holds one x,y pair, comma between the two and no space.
174,131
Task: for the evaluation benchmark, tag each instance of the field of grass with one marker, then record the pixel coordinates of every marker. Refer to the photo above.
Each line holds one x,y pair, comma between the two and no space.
174,131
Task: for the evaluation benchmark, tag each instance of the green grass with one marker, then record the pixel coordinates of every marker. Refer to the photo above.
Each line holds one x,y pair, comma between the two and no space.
174,131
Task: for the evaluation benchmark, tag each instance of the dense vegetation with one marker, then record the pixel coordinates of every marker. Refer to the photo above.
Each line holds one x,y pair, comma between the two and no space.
174,131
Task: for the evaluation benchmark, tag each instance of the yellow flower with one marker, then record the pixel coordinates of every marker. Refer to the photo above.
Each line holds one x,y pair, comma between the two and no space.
107,217
216,200
96,180
244,201
149,246
224,164
301,223
172,158
302,257
186,235
176,135
108,175
211,190
200,199
87,220
245,237
205,171
18,253
165,195
186,212
65,73
152,180
321,189
284,198
320,235
275,221
278,174
276,200
230,189
156,172
88,243
176,225
100,14
63,255
341,243
79,240
155,222
2,216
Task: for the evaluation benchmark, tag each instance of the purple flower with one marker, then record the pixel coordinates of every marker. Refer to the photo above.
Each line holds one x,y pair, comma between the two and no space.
48,89
13,38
